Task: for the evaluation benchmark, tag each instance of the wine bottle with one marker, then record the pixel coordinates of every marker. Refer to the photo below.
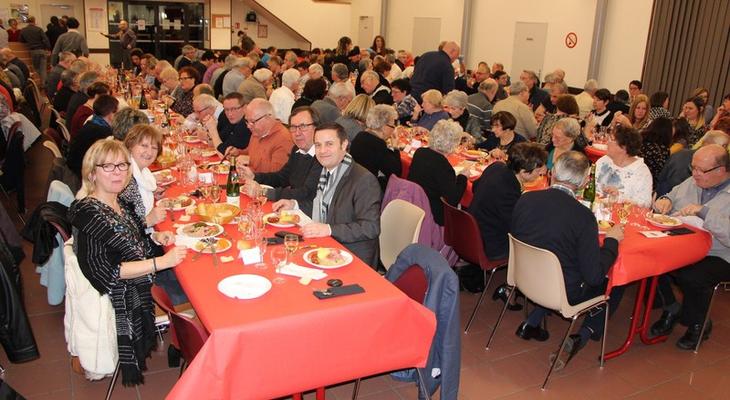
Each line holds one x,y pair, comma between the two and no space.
589,193
233,187
143,100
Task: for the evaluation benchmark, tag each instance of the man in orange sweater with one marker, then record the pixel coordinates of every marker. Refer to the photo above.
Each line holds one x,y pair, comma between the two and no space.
270,143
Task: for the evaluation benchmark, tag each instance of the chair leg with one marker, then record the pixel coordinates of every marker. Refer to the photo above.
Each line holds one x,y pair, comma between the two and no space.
422,385
501,315
707,317
115,375
603,339
479,302
356,389
183,365
319,393
560,351
136,389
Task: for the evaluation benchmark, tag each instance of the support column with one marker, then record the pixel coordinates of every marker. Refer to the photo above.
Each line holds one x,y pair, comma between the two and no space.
466,28
599,23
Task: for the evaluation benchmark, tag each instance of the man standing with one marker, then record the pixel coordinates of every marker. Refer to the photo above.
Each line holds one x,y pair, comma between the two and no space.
38,44
300,174
434,71
54,77
570,232
346,204
271,142
128,41
706,196
72,41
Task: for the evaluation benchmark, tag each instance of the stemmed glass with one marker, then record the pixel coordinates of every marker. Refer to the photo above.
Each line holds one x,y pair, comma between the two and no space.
262,243
278,258
291,243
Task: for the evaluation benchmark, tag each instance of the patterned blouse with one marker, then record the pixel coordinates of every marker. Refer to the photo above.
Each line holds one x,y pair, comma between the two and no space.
655,156
183,104
633,181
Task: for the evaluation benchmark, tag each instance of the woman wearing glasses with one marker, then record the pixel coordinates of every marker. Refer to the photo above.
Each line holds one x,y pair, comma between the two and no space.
114,252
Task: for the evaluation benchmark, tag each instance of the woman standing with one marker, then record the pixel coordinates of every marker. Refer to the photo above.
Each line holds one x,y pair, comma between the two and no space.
115,253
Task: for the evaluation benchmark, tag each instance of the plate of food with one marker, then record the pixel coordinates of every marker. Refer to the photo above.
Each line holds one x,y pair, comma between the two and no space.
327,258
604,225
282,220
474,154
206,246
220,168
191,139
244,286
200,230
176,203
164,177
663,221
208,153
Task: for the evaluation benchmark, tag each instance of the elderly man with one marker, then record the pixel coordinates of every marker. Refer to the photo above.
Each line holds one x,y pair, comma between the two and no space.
67,90
216,80
299,176
38,44
585,98
434,71
342,94
706,197
256,86
516,104
283,98
240,70
480,106
677,168
346,203
15,65
270,143
187,57
570,232
228,131
54,77
72,41
537,95
370,83
204,106
127,39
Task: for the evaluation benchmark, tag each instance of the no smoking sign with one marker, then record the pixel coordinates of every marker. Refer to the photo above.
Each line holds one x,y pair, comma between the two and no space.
571,39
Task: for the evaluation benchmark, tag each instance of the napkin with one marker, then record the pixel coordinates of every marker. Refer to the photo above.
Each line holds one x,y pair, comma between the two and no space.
302,272
186,241
692,220
654,234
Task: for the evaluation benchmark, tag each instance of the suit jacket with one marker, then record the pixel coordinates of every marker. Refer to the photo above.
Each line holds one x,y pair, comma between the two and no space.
354,214
297,179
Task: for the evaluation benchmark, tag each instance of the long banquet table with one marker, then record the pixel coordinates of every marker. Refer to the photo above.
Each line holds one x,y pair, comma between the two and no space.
288,341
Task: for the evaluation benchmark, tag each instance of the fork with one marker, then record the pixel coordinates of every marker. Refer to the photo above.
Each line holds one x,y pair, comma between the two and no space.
212,248
207,243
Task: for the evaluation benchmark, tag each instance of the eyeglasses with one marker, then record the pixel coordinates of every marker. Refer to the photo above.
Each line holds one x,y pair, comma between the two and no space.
232,109
693,169
186,77
391,126
110,167
300,127
201,110
252,123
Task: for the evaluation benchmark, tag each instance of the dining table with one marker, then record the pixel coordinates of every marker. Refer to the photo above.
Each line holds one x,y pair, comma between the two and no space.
287,340
594,153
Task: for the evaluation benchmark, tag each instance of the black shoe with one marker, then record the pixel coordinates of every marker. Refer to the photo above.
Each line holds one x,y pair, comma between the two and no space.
689,340
502,293
572,346
664,326
528,332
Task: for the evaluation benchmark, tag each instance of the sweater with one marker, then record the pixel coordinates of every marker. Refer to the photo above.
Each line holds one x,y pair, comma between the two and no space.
434,173
372,153
71,41
433,71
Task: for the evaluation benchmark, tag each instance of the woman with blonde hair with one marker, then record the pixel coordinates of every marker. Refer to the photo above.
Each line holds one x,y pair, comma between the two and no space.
694,111
354,116
115,253
639,112
431,110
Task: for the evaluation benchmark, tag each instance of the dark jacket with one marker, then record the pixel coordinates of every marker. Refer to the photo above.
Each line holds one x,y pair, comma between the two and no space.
41,233
87,136
539,96
77,99
54,76
354,214
35,38
296,179
433,71
436,176
62,98
675,171
442,297
381,95
237,135
372,153
218,85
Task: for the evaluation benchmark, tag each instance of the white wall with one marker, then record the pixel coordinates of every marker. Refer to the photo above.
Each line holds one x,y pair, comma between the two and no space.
322,23
624,43
363,8
220,39
402,12
277,36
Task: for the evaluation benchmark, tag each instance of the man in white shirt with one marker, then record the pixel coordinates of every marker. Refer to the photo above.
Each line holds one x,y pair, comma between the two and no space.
585,98
283,98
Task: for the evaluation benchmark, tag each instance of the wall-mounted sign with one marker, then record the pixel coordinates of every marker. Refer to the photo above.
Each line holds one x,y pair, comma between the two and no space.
571,40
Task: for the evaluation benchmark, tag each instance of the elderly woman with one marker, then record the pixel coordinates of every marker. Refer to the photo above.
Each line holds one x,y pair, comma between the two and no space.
455,104
86,110
502,136
125,119
370,83
183,93
370,148
431,169
564,139
430,111
621,172
115,253
404,103
694,111
354,115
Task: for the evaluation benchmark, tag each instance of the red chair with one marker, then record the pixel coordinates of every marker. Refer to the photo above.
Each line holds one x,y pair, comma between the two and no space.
461,232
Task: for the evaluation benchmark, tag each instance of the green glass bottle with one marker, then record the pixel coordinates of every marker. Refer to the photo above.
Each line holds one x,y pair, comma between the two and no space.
233,187
589,193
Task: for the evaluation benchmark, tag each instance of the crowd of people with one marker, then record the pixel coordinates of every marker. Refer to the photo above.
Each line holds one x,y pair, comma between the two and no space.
320,127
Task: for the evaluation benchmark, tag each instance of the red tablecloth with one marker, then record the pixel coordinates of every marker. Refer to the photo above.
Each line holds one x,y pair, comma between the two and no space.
288,341
594,154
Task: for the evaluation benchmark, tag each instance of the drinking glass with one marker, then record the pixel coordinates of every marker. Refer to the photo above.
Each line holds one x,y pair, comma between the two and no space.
291,243
246,226
278,258
262,244
215,192
623,212
261,195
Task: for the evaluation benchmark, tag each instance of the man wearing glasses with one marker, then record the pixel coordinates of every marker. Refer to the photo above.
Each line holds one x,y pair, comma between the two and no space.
270,143
706,197
301,172
229,132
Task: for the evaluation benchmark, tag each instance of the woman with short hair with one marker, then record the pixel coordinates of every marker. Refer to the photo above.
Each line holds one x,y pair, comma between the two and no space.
430,111
455,104
564,139
502,136
621,171
370,147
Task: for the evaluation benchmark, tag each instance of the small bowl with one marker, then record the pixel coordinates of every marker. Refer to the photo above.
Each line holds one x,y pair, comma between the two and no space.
218,213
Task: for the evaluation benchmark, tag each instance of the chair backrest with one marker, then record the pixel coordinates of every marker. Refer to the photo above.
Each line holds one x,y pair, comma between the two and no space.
461,232
64,130
56,137
414,283
50,145
191,335
400,225
537,273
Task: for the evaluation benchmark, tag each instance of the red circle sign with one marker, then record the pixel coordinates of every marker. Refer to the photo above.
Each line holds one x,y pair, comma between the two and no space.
571,39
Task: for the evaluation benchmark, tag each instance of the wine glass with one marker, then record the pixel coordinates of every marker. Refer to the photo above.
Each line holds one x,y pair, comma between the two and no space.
245,226
623,212
261,195
291,243
215,192
262,243
278,258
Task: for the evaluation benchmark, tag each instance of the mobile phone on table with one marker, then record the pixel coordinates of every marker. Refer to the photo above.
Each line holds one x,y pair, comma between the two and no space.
275,240
281,234
678,231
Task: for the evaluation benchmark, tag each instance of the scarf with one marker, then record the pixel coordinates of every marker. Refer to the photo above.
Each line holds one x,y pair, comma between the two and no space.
147,185
328,182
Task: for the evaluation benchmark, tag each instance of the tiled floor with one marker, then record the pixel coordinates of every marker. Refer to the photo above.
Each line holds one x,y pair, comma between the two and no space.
511,369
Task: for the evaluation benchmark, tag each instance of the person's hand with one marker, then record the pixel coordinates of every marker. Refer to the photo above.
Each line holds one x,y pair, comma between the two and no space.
315,229
202,134
610,191
164,238
173,257
155,216
245,171
179,119
689,209
283,204
210,123
498,154
663,205
616,232
241,159
416,111
250,187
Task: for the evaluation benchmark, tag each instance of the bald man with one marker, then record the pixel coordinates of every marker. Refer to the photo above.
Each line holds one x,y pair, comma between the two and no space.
434,71
128,41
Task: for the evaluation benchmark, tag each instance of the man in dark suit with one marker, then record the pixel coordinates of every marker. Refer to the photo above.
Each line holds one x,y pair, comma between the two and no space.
346,204
299,176
554,220
434,71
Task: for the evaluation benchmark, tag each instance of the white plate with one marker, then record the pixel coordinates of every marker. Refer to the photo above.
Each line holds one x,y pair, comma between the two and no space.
278,224
600,146
159,174
208,153
347,259
207,250
604,230
192,202
244,286
180,230
673,224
